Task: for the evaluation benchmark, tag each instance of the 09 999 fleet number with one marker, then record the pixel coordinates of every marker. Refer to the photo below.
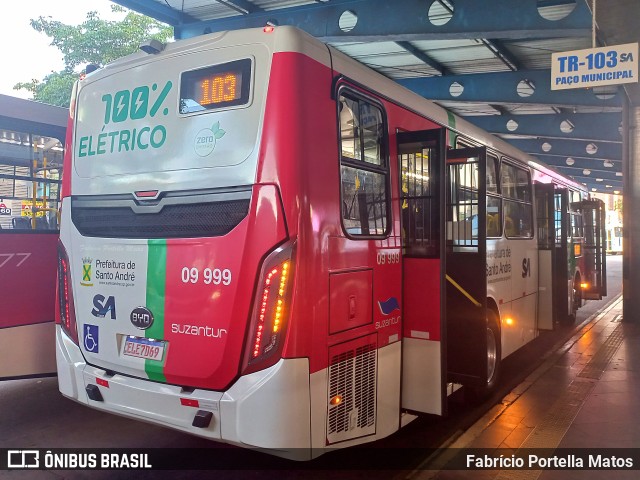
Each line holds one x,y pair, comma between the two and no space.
209,276
383,258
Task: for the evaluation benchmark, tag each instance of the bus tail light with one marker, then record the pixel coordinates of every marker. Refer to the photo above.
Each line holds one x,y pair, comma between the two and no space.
65,311
270,310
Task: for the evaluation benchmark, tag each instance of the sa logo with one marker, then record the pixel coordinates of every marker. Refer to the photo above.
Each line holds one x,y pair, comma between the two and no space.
526,267
102,306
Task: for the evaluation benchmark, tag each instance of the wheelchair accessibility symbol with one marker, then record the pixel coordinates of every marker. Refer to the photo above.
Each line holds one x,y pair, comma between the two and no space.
91,338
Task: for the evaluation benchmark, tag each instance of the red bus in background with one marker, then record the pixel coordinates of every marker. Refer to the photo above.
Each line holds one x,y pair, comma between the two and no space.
265,243
31,153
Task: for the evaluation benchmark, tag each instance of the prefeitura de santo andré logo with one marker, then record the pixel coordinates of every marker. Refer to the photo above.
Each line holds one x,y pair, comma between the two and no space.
86,272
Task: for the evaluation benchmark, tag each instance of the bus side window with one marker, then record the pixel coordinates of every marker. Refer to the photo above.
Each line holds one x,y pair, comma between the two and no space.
518,209
363,167
558,214
494,220
576,225
494,202
349,133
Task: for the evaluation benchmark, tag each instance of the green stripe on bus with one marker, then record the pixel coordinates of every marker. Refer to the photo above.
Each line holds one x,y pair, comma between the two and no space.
452,124
156,277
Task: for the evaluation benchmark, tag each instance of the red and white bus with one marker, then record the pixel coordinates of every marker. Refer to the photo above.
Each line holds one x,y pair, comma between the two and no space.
31,155
267,244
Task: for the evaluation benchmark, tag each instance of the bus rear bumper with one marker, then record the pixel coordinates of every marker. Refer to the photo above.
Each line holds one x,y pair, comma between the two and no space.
252,413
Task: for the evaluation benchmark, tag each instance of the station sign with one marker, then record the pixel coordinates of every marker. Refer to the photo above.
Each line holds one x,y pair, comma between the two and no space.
4,208
27,209
595,67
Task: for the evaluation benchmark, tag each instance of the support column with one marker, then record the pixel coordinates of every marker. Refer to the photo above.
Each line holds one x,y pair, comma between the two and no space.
630,212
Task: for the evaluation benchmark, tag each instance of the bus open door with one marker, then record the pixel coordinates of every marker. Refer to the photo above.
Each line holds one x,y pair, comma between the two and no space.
547,280
594,285
473,338
420,156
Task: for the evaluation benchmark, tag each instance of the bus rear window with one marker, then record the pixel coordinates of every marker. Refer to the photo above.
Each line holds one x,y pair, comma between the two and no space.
219,86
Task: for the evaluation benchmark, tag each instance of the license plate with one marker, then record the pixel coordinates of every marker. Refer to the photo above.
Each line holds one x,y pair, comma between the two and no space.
143,348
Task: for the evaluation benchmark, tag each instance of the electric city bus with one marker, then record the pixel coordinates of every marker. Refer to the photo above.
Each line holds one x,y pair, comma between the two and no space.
265,243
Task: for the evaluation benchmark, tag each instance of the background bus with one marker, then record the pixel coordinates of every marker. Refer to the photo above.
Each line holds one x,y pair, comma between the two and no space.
265,243
31,153
614,240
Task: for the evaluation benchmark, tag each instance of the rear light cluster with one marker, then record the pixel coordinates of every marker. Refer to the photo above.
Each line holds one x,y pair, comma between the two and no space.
65,311
272,296
271,308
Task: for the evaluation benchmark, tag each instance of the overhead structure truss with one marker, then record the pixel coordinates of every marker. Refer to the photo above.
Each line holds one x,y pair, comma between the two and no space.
488,61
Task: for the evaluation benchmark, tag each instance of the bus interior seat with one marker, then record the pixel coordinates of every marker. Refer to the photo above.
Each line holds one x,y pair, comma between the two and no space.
21,223
509,227
42,223
493,225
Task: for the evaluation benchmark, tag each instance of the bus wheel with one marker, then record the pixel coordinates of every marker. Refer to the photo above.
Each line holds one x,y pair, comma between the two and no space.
576,303
577,297
478,393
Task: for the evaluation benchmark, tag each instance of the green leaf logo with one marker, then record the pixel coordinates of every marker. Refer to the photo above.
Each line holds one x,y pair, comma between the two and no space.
217,131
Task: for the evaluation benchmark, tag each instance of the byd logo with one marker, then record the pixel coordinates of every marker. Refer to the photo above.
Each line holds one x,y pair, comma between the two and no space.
141,317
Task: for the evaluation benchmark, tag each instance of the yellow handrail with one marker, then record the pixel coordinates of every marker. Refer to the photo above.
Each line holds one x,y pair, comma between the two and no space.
463,291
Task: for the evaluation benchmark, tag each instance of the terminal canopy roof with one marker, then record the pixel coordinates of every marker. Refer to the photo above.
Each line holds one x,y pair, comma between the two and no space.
486,60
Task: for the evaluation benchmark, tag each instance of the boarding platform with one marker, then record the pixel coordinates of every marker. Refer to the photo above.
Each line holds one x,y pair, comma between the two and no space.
585,395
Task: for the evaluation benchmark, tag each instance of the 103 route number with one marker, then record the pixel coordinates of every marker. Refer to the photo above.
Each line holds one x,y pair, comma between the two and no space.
208,275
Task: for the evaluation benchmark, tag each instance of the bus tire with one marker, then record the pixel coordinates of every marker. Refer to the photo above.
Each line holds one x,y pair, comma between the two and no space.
477,393
577,296
576,302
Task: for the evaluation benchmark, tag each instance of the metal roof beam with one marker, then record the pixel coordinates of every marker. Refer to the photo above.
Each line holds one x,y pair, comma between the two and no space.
590,180
612,189
241,6
582,163
500,51
593,162
500,109
379,20
502,87
159,11
586,126
601,187
577,172
569,148
423,57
